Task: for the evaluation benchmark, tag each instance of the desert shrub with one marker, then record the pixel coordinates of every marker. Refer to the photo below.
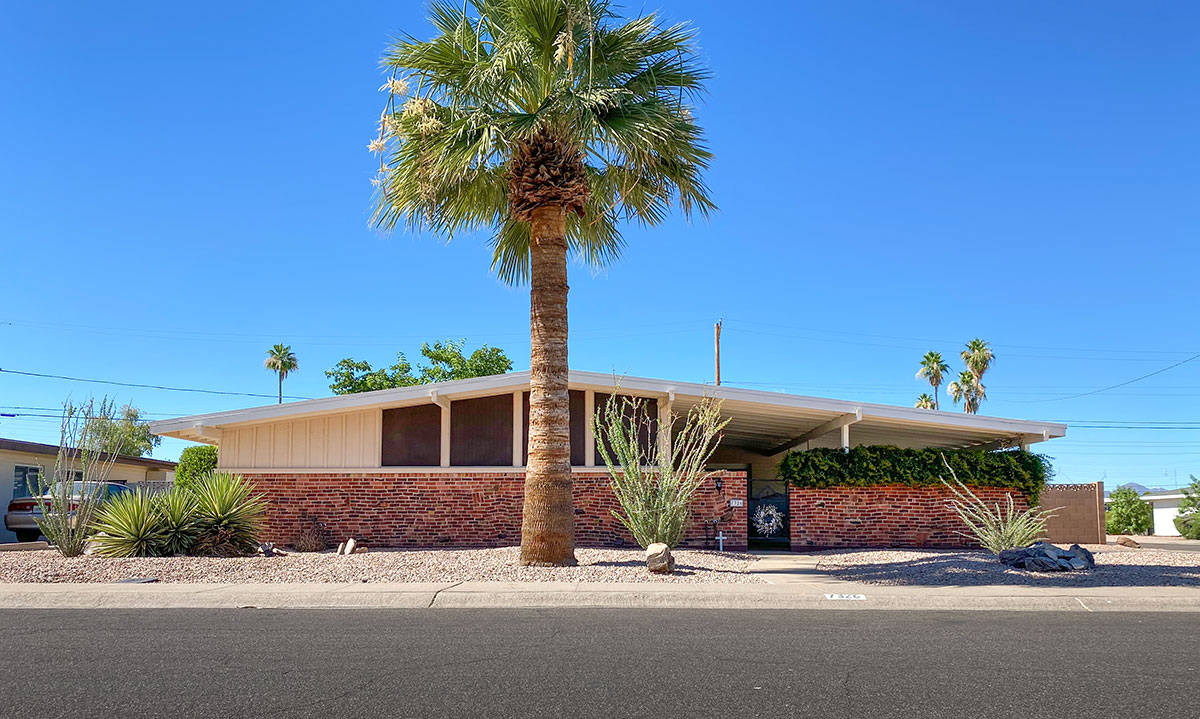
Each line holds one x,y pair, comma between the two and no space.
128,525
180,520
1188,521
195,463
655,487
71,496
229,515
312,537
868,466
996,528
1128,513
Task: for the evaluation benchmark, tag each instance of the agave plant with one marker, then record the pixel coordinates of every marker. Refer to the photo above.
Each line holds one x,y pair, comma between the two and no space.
178,513
128,525
229,515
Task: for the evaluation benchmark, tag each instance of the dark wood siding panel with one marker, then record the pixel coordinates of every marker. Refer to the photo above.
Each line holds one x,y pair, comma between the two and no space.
412,436
481,432
577,401
649,433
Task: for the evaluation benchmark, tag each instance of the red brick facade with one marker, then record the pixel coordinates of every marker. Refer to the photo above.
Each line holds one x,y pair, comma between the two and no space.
887,516
468,509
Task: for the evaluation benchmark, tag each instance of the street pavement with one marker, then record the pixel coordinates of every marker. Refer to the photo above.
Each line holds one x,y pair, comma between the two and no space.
587,662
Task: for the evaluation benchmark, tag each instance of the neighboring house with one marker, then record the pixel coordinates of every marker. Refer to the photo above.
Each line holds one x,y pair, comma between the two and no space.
444,464
1166,508
23,462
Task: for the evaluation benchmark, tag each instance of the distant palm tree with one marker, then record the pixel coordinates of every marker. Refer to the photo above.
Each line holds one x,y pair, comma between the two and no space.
926,402
968,390
282,362
978,357
933,369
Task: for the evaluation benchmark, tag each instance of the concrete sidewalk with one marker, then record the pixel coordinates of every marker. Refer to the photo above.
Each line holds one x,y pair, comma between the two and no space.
816,594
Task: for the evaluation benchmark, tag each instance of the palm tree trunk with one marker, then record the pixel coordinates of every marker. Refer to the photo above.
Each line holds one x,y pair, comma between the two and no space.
280,387
547,522
935,398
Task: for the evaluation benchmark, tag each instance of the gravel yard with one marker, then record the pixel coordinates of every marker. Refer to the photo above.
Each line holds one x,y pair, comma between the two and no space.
1115,566
449,565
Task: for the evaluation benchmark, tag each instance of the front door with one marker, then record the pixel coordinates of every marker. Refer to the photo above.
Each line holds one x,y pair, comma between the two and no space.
767,514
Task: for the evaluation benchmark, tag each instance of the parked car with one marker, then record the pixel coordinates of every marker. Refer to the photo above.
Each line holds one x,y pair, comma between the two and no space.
24,512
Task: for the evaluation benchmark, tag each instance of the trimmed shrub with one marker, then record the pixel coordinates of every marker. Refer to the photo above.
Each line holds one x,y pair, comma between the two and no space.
872,466
195,463
1128,513
128,525
230,515
178,513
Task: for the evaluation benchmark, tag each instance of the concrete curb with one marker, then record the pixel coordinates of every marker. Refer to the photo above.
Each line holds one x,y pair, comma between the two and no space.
499,595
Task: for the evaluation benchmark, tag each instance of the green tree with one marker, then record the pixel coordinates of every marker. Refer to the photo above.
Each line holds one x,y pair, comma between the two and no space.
1188,521
978,357
1127,513
446,362
195,463
282,361
933,370
968,390
545,123
126,434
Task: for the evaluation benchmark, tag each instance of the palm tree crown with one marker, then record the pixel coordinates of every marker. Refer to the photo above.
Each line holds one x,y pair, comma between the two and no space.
525,103
968,390
924,402
282,361
978,357
934,370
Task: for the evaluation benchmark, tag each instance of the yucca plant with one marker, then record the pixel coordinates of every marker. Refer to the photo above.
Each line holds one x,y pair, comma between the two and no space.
229,515
128,525
995,528
178,513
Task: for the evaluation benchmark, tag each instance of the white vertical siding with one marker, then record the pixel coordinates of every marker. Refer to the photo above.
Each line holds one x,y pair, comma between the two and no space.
349,440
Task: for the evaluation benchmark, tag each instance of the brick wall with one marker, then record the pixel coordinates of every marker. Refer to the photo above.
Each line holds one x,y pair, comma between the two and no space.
1081,517
887,516
471,509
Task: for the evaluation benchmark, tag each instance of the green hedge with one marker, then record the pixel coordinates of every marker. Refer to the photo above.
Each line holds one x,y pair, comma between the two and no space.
871,466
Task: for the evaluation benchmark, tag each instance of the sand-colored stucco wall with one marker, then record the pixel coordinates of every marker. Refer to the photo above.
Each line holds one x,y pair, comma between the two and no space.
348,440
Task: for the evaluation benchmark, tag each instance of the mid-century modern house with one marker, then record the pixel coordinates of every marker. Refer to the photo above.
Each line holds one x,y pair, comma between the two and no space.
443,464
26,461
1165,508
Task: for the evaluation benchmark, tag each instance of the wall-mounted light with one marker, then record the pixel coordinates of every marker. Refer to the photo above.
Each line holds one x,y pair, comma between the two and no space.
719,484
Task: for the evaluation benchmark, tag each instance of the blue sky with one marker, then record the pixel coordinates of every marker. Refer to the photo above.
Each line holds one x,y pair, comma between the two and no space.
183,185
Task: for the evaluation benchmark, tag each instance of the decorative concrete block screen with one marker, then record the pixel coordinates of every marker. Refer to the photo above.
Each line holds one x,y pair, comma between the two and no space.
428,509
883,516
1081,518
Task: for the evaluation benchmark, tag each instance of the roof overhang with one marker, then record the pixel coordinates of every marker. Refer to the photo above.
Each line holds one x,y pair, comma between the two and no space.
765,422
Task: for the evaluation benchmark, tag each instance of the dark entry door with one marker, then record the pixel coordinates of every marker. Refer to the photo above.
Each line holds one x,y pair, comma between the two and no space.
767,513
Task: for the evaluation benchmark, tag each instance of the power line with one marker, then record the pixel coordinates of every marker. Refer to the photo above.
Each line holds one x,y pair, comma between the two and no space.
147,386
1115,386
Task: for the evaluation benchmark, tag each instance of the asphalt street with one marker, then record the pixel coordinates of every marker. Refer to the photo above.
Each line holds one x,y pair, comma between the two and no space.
611,663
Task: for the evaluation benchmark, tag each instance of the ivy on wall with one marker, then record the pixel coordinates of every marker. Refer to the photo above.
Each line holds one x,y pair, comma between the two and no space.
870,466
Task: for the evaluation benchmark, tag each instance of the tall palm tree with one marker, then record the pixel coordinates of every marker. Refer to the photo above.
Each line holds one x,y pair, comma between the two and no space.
978,357
926,402
282,362
545,123
933,369
968,390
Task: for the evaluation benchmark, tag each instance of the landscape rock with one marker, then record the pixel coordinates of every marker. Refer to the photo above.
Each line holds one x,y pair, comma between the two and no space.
1046,557
360,550
1127,542
349,549
341,547
659,559
266,549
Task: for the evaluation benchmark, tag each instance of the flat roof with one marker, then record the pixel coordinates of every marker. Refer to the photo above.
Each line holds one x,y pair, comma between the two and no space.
759,420
17,445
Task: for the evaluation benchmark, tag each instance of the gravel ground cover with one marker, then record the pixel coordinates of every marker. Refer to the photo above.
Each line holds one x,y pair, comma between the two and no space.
1116,566
449,565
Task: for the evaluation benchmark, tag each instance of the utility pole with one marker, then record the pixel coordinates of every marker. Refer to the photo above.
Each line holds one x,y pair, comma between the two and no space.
717,347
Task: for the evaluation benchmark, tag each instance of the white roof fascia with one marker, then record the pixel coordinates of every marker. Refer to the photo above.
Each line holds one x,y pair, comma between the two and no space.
480,386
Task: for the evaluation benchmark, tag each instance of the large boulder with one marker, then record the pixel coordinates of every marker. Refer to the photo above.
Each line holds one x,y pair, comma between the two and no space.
1127,542
659,559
